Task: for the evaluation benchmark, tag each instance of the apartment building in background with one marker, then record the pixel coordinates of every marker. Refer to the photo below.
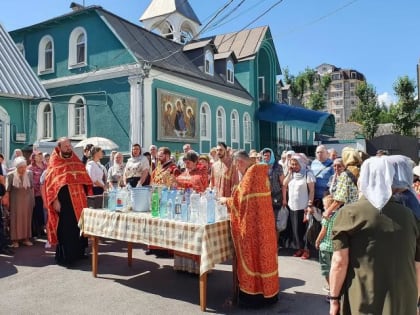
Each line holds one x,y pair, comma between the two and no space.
340,97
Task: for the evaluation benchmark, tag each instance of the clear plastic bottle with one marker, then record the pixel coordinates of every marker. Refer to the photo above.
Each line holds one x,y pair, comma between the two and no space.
203,209
194,207
169,209
211,207
177,206
112,200
163,203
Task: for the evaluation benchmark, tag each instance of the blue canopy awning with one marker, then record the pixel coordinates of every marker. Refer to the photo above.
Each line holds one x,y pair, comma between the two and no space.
320,122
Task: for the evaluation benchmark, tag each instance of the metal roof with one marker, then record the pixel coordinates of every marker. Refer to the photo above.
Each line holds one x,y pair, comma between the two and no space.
166,55
17,80
244,44
321,122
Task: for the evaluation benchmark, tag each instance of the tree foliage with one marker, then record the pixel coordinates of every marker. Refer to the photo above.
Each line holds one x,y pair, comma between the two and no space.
367,110
405,115
308,81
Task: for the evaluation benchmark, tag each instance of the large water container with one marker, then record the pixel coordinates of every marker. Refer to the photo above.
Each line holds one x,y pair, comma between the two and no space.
140,198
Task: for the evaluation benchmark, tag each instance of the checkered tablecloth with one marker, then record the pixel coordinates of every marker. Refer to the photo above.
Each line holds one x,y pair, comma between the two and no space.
212,242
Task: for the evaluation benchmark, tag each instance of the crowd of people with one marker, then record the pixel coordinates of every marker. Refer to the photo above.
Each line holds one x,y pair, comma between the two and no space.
368,242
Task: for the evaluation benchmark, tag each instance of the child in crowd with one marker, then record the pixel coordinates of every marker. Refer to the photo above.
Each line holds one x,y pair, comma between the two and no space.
324,243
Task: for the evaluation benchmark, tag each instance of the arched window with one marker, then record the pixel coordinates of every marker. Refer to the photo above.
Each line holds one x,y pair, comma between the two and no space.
234,127
209,62
230,74
77,117
247,128
187,33
78,48
220,124
167,30
46,55
45,121
205,122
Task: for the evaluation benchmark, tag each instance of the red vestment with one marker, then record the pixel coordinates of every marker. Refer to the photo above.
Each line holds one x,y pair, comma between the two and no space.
254,234
61,172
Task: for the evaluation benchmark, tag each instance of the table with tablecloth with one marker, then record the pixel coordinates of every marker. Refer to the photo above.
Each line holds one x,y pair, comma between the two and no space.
210,244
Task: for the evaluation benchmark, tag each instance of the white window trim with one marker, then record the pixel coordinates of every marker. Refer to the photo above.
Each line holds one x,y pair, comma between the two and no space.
41,55
71,118
210,58
234,123
208,121
5,132
230,69
72,63
247,125
41,122
223,137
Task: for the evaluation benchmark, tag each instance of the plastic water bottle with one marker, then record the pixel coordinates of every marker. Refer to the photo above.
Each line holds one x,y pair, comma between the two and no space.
155,203
211,207
169,209
163,203
184,211
112,200
177,206
122,196
194,207
203,209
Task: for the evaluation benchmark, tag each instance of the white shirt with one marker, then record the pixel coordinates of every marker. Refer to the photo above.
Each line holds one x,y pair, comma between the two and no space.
298,191
96,171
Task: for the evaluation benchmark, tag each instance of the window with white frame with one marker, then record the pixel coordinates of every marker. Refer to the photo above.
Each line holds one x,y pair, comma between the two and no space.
234,126
4,130
46,55
77,117
209,62
205,122
220,124
247,128
78,48
230,74
45,121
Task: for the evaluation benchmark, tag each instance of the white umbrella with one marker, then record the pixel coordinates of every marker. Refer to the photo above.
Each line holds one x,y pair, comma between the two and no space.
103,143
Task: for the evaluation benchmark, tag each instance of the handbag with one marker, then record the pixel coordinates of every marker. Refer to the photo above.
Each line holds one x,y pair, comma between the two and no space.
282,218
314,227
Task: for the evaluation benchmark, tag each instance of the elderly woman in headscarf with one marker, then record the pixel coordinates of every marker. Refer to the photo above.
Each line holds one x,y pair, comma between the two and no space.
376,249
352,160
401,183
300,182
19,198
344,183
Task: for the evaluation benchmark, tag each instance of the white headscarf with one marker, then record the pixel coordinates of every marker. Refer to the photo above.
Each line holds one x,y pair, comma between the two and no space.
376,177
403,165
19,182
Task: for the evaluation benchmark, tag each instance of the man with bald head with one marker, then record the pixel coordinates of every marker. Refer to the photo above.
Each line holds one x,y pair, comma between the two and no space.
322,169
67,183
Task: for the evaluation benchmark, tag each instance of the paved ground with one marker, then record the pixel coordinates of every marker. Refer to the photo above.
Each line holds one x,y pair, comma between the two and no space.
30,283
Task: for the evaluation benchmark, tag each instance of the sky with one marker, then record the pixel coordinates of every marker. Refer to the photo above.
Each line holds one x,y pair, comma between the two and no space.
378,38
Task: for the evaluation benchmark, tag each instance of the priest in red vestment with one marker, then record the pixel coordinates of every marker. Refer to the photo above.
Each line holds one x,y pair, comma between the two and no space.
254,234
67,184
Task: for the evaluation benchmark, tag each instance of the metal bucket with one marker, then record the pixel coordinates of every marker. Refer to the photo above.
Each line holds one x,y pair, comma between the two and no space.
140,198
